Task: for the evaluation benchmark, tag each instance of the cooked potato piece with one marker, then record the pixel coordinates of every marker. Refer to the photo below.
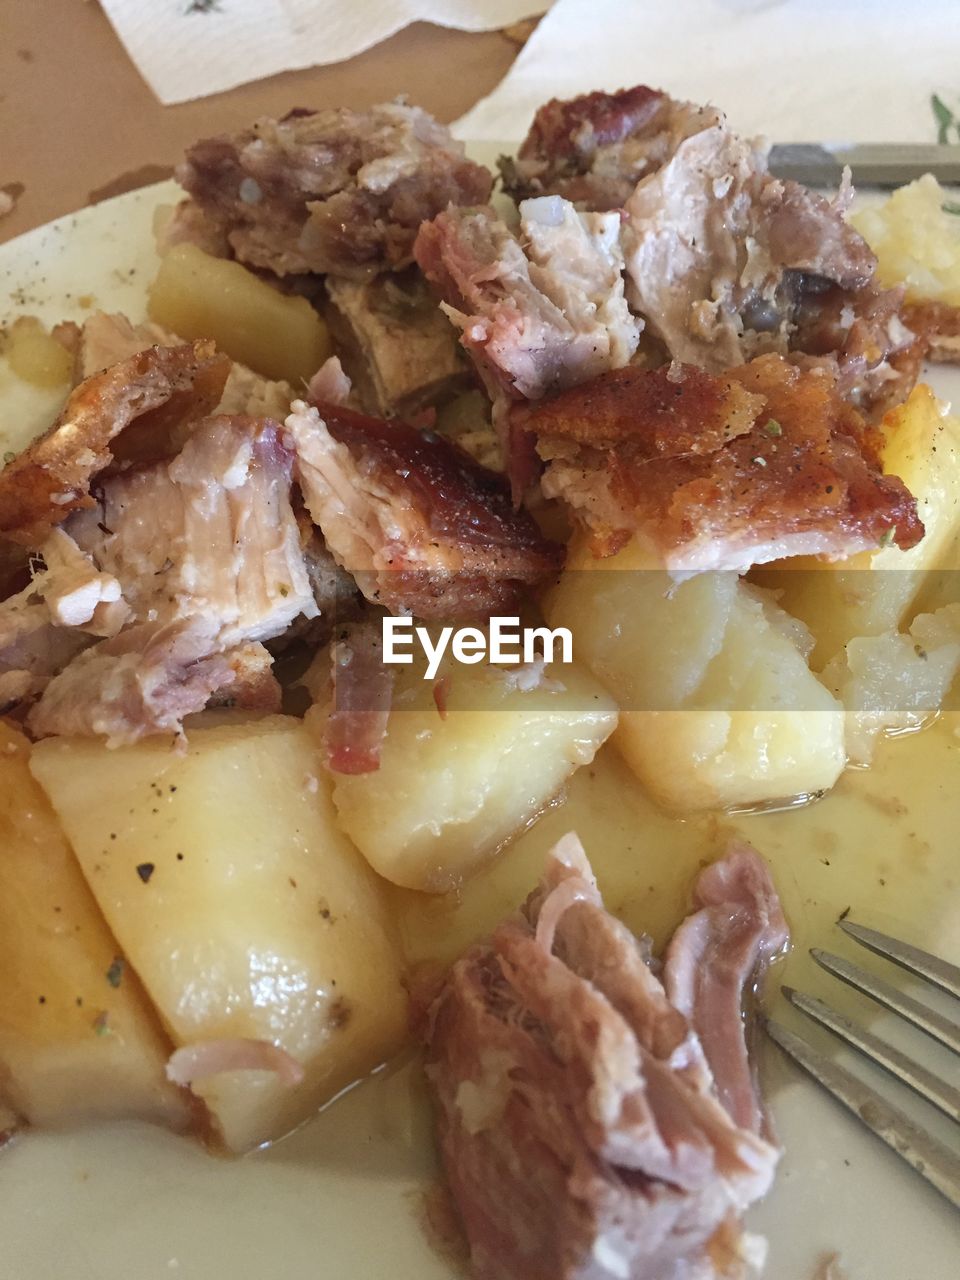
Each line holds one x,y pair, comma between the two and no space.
648,639
449,792
718,706
240,904
198,296
78,1037
36,356
916,240
892,683
872,593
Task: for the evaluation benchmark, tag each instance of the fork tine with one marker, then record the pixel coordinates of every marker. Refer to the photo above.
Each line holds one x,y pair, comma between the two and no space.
919,1079
922,963
917,1014
932,1160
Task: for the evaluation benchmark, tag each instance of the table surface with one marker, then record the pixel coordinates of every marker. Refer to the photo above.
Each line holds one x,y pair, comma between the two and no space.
78,124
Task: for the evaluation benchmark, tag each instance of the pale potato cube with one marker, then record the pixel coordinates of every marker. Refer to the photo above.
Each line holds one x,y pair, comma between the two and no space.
916,240
79,1040
893,683
648,638
718,706
36,356
760,728
872,593
450,792
240,904
275,334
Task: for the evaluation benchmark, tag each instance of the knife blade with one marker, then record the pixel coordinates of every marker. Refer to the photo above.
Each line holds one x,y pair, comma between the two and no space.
874,164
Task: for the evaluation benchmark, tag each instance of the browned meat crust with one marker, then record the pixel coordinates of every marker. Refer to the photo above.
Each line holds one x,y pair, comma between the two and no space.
331,191
422,527
937,326
136,411
595,149
579,1124
721,471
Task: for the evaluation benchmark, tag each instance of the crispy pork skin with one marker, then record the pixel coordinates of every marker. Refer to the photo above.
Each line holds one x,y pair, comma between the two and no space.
137,410
336,191
720,471
422,527
580,1128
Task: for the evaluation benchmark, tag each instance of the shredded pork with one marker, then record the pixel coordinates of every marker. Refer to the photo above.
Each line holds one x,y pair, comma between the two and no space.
581,1130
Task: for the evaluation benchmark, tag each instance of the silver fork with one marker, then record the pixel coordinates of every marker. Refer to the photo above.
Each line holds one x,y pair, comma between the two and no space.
929,1157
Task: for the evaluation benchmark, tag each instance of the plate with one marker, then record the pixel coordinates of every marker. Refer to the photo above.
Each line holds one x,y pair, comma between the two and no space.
345,1195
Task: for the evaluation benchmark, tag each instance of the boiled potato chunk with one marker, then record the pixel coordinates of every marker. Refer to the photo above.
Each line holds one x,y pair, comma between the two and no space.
240,904
36,356
872,593
894,682
916,240
275,334
78,1037
648,639
718,706
449,792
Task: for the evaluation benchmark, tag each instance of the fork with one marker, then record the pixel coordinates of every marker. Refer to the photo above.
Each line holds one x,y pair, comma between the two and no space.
929,1157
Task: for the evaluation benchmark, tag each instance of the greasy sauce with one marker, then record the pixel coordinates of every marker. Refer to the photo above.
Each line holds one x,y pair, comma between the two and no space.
882,843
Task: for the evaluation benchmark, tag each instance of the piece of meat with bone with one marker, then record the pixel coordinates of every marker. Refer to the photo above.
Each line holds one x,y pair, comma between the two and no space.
535,315
422,527
401,351
336,190
720,471
593,150
210,534
136,411
579,1127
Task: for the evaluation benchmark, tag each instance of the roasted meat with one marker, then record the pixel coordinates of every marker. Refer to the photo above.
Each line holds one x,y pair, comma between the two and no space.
137,410
720,471
421,526
144,681
581,1130
206,551
724,261
736,929
535,316
401,351
336,190
534,321
360,696
211,534
593,150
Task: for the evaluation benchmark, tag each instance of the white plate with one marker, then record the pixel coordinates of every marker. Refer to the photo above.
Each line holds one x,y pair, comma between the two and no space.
343,1196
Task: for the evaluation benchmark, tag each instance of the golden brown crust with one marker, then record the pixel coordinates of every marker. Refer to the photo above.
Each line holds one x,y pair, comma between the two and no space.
804,465
937,325
133,412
